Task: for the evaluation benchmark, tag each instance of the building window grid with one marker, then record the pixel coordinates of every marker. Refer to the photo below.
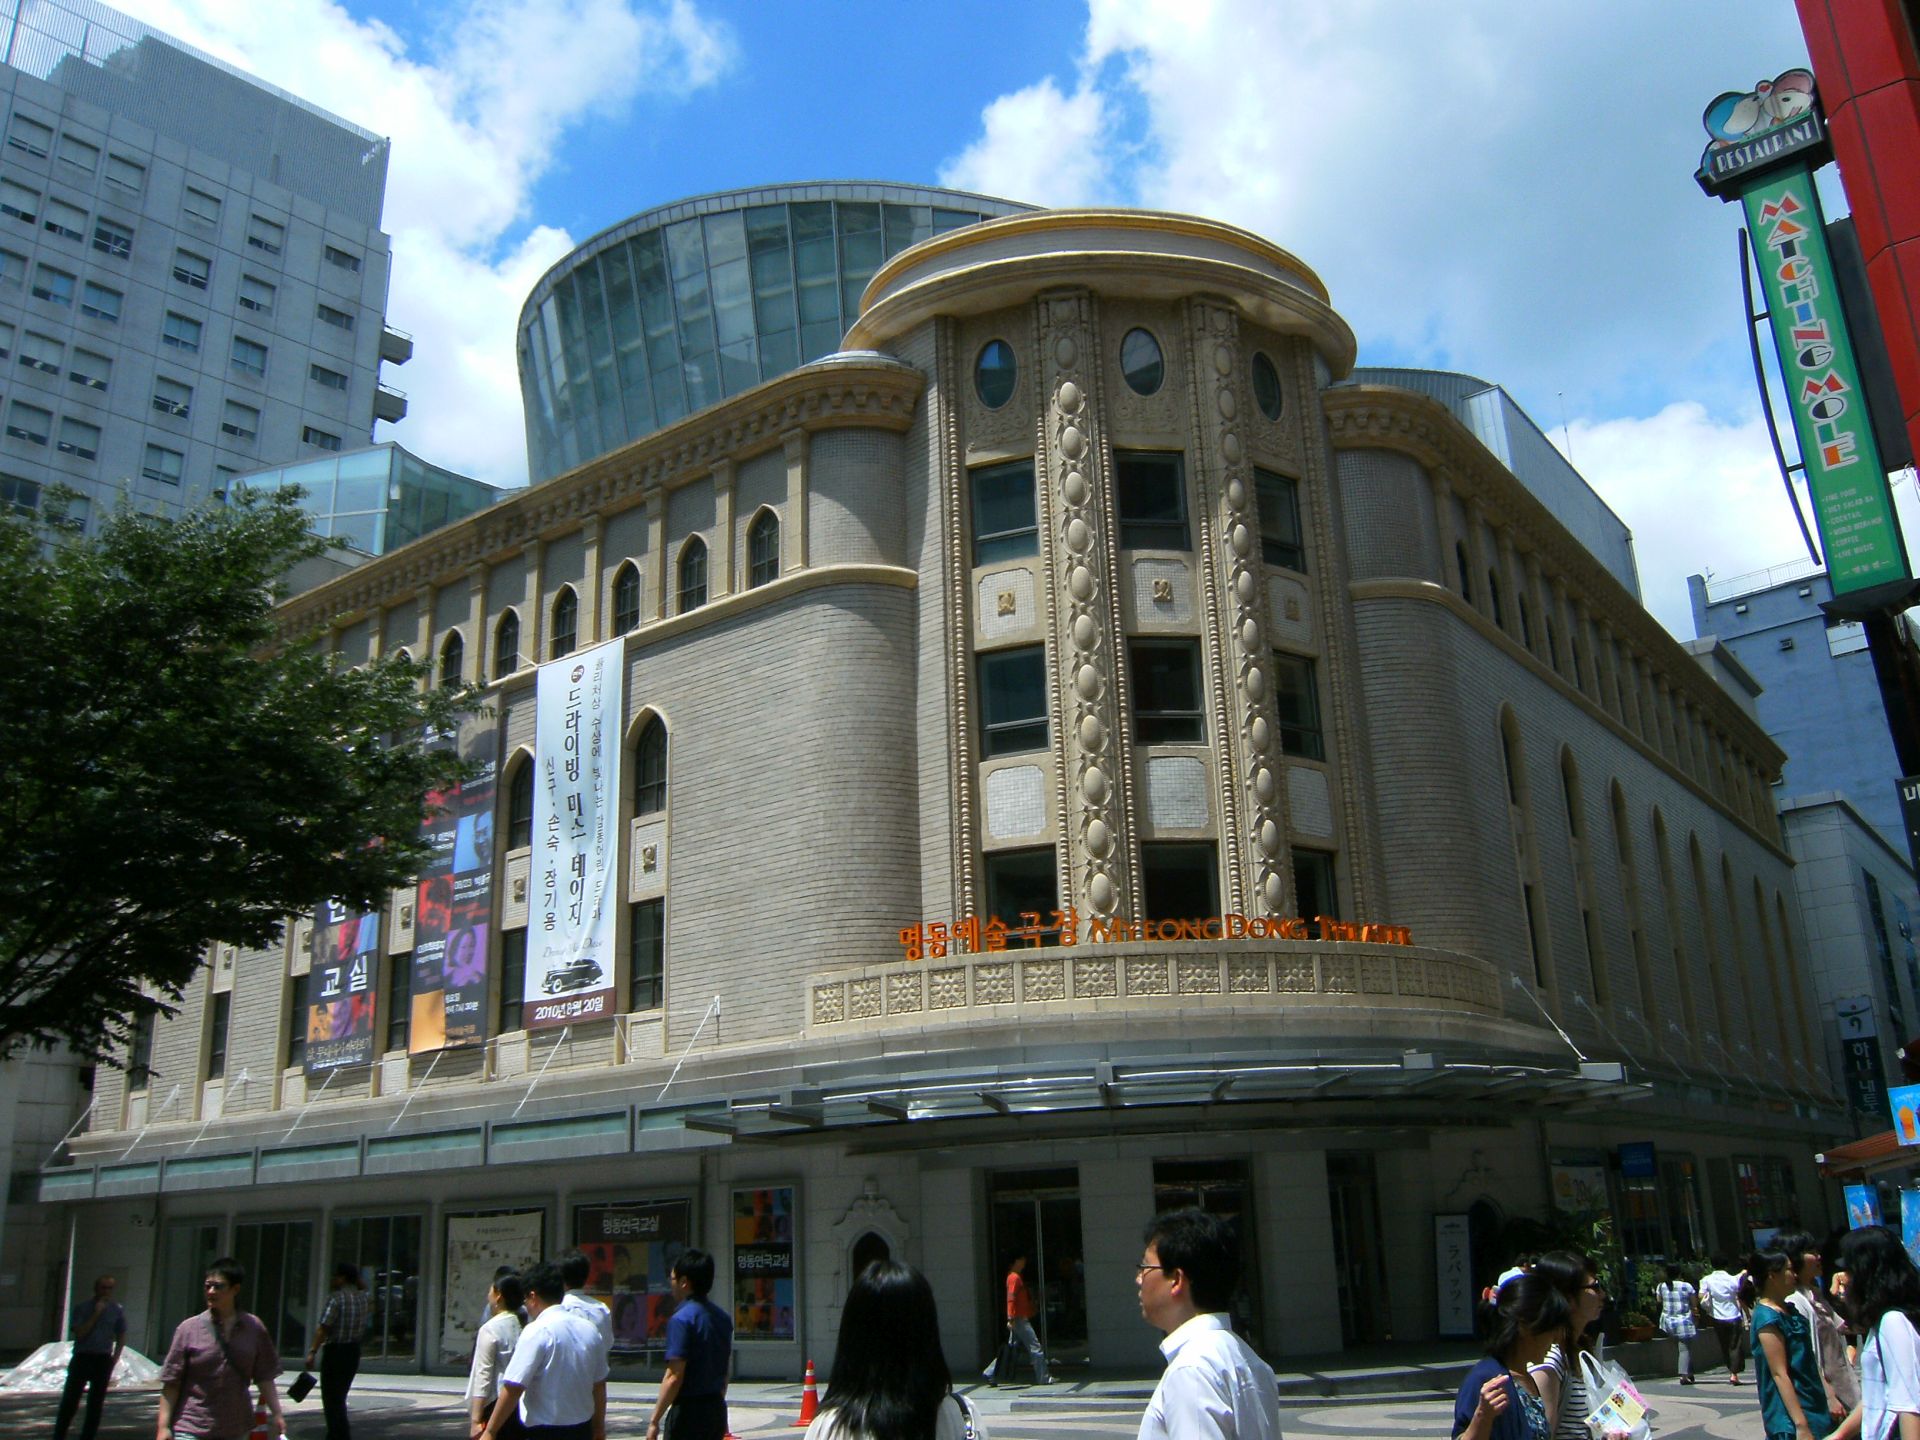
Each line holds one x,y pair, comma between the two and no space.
111,238
181,332
220,1025
328,379
90,370
266,235
255,295
191,269
1005,525
650,769
170,397
299,1003
1168,708
506,645
319,439
29,423
56,287
249,357
399,1002
1151,490
42,353
100,303
242,422
693,576
79,154
69,222
1296,693
78,438
29,136
566,621
339,319
1013,700
513,980
163,466
20,201
1282,541
200,207
520,807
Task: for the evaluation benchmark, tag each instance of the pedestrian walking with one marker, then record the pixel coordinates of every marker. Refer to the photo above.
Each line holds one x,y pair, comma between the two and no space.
1562,1387
1786,1369
692,1403
553,1379
890,1379
1020,1326
1214,1385
1499,1399
1678,1300
1720,1302
336,1340
574,1269
1839,1377
98,1329
214,1359
1883,1289
492,1349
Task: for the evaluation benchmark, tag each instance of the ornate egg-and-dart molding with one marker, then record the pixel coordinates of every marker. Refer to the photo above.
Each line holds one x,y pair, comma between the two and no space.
871,394
1371,416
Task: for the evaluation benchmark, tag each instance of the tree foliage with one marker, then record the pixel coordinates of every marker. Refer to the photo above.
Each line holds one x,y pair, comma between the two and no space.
174,774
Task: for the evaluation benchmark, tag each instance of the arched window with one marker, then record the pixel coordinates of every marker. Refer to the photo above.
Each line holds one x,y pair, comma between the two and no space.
566,623
520,802
1630,892
1782,997
453,660
693,575
1576,814
626,598
1703,907
1526,855
1493,599
1738,948
1676,944
506,645
650,768
1466,572
763,549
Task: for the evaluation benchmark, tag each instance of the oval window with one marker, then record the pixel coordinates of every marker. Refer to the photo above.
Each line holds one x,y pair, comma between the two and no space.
1140,362
993,374
1266,386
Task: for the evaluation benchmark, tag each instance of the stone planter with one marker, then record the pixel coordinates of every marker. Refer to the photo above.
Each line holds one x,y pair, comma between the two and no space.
1651,1359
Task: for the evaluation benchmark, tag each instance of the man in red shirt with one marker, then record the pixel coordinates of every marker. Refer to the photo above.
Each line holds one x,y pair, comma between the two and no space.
1020,1323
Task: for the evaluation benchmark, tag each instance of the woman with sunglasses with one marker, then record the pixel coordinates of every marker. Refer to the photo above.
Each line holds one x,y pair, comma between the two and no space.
1563,1389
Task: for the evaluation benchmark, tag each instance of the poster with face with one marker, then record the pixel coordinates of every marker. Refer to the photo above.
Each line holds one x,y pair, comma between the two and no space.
344,983
632,1247
763,1274
452,918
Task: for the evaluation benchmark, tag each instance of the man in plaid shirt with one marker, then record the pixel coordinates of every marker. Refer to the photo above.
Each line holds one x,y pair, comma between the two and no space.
343,1321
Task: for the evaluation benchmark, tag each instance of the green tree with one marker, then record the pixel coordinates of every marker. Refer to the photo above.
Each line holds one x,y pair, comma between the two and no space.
176,773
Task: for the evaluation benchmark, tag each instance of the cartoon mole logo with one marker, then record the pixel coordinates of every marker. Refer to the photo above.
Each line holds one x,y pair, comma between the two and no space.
1741,115
575,674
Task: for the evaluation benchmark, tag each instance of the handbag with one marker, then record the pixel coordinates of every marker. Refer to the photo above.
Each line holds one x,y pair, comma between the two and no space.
1011,1354
301,1387
1618,1409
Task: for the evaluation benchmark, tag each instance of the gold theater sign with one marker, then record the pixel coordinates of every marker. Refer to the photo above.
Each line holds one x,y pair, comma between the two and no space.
931,939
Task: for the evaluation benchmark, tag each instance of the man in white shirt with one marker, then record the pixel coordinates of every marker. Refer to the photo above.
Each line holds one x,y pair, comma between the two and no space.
1720,1299
556,1378
574,1269
1214,1386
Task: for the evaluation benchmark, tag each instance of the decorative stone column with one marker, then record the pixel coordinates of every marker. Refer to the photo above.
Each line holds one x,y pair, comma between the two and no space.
474,671
1095,755
1253,819
590,607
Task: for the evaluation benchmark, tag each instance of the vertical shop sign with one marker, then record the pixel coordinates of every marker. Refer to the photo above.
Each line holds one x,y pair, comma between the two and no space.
631,1248
453,918
576,842
344,984
1453,1273
763,1307
1845,477
1861,1065
1863,1206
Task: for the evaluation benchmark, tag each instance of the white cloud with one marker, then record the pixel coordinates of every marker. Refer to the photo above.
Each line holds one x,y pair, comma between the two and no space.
1038,144
476,115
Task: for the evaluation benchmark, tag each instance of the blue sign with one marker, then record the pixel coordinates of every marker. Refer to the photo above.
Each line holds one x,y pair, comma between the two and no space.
1636,1160
1904,1103
1863,1207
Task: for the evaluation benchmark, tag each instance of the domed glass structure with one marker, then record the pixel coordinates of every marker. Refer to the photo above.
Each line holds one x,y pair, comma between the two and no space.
682,306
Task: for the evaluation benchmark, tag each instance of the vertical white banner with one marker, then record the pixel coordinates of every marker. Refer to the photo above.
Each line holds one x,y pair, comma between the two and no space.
1453,1273
576,839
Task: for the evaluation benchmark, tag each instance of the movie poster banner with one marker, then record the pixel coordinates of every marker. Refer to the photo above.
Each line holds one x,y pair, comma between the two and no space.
632,1247
452,917
345,980
763,1264
477,1246
576,841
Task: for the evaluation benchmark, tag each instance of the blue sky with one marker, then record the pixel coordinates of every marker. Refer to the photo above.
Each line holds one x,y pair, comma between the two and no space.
1497,186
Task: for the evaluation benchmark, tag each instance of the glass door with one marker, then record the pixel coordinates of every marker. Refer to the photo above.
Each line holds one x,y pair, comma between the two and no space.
278,1258
1358,1262
386,1251
1219,1187
187,1248
1036,1213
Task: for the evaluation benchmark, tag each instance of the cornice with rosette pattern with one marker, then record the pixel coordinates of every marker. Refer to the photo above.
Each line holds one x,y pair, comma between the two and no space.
1363,417
879,394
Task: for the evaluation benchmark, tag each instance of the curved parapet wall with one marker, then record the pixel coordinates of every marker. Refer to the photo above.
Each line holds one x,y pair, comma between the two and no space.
675,309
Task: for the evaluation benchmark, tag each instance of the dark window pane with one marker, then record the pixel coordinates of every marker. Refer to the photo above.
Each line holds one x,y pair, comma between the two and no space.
648,955
1180,880
1313,887
217,1042
693,576
1297,695
1153,500
513,979
1280,539
400,994
1003,516
298,1004
1166,692
1141,364
1022,882
994,373
1266,386
566,621
626,599
1013,701
763,550
650,770
520,808
506,646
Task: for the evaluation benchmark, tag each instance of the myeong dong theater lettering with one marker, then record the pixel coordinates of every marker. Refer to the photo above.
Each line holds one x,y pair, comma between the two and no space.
930,939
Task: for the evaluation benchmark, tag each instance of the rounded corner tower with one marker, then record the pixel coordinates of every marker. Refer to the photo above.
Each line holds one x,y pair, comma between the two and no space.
687,304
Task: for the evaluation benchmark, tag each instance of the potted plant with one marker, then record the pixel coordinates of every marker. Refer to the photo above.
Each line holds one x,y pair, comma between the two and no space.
1636,1326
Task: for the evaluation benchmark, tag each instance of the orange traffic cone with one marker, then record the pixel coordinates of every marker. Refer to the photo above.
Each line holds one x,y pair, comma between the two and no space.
809,1401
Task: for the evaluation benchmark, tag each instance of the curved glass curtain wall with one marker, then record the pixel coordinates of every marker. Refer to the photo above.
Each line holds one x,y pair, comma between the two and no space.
639,329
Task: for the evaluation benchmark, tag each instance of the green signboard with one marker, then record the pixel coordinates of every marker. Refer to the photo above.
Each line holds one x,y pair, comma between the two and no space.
1851,502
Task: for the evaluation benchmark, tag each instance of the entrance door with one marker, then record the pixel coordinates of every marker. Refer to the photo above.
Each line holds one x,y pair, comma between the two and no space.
278,1258
187,1248
1358,1255
1036,1213
1219,1187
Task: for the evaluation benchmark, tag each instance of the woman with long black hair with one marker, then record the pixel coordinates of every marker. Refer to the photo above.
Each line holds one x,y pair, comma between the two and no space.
1883,1292
1563,1389
1786,1366
890,1379
1500,1399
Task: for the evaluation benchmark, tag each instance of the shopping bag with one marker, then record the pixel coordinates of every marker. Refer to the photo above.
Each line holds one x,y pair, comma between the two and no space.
1012,1355
1616,1408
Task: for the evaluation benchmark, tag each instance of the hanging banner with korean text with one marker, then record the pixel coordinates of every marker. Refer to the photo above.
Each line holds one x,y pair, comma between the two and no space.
576,841
343,985
453,918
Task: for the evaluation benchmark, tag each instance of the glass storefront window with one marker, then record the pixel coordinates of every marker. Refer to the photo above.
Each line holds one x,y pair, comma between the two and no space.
386,1251
278,1258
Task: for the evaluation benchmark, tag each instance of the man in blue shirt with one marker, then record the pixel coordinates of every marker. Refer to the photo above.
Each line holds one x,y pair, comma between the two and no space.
693,1396
99,1329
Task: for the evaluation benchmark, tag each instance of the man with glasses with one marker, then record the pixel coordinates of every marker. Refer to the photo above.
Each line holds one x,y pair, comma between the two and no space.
99,1329
214,1358
1214,1386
